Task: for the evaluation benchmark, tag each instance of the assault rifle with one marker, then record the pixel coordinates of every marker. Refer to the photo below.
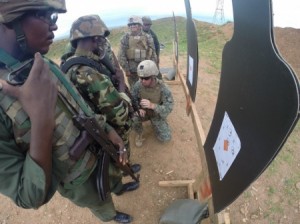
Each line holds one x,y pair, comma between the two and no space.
94,131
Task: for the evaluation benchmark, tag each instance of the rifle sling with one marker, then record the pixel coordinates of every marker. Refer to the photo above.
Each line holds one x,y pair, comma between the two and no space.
90,63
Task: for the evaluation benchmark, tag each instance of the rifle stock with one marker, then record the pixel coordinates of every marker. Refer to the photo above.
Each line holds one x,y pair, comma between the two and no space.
97,133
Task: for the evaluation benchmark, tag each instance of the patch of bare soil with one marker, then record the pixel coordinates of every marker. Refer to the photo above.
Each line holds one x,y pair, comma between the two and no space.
273,198
176,160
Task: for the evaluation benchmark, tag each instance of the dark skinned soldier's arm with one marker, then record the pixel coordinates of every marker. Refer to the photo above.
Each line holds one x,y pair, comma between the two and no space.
38,98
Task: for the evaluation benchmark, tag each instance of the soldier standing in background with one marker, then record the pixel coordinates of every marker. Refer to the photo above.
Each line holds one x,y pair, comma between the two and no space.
88,38
36,128
155,101
147,23
135,47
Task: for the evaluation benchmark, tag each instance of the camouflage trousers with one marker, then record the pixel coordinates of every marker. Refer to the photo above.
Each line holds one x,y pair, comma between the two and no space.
161,127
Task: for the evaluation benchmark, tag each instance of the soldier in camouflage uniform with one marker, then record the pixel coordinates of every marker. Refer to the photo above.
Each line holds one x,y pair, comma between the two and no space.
36,128
87,36
147,23
135,47
155,101
108,60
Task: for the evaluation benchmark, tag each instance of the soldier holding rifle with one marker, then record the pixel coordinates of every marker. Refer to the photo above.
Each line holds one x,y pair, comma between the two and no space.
40,144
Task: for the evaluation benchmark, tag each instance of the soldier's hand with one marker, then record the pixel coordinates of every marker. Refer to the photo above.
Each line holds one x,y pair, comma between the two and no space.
38,94
117,140
128,74
147,104
123,158
142,112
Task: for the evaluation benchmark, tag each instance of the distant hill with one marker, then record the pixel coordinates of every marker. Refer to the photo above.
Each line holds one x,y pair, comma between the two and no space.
211,40
209,36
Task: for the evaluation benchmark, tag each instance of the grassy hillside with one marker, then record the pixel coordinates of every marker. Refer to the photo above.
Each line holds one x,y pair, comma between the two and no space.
274,197
210,39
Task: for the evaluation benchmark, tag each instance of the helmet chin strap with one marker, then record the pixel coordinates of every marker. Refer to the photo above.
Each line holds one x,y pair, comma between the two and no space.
20,37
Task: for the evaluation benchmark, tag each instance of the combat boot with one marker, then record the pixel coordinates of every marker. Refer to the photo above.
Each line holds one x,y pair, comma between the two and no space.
122,217
139,140
135,168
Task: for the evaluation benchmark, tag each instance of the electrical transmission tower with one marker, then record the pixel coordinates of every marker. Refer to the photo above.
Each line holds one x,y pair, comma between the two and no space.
219,13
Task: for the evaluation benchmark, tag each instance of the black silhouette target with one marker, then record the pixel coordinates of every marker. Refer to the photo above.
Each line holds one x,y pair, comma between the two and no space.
257,106
192,65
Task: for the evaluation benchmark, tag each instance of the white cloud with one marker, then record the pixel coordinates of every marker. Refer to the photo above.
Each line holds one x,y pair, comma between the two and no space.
286,13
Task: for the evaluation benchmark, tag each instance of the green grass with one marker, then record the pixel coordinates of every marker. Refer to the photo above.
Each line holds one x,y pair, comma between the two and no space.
271,190
210,40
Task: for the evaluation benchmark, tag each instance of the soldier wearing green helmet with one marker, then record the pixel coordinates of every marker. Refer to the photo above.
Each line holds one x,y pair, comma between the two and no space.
37,134
147,23
87,36
155,101
135,47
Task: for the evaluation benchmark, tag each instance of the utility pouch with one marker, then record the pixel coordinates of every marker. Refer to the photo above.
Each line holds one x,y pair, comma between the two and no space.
139,55
130,54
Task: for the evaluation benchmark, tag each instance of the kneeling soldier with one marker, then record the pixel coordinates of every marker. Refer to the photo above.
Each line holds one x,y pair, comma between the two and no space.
155,101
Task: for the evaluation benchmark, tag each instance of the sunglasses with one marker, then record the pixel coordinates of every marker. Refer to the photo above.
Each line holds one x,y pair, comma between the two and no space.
145,78
133,24
48,17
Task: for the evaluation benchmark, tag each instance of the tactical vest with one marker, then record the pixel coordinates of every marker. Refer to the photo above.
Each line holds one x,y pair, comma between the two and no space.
137,48
153,94
65,132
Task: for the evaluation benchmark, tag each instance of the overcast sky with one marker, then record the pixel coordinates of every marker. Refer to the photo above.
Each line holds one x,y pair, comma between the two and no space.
116,12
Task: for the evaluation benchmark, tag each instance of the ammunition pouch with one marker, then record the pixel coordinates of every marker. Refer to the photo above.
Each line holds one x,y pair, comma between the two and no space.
136,54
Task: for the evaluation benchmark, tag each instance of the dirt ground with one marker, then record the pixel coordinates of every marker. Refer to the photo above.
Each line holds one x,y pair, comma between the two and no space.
179,160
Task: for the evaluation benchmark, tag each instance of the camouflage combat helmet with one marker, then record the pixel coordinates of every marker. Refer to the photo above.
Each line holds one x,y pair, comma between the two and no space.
13,9
147,68
88,26
135,19
146,20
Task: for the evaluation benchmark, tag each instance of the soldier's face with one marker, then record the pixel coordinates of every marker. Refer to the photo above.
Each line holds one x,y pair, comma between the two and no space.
135,27
100,48
38,28
146,81
146,26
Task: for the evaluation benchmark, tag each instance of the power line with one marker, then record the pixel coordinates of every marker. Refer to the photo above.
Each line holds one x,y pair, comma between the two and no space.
219,13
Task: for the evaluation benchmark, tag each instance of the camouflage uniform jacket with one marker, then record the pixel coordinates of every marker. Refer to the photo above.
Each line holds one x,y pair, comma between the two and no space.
164,107
99,92
22,179
130,65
